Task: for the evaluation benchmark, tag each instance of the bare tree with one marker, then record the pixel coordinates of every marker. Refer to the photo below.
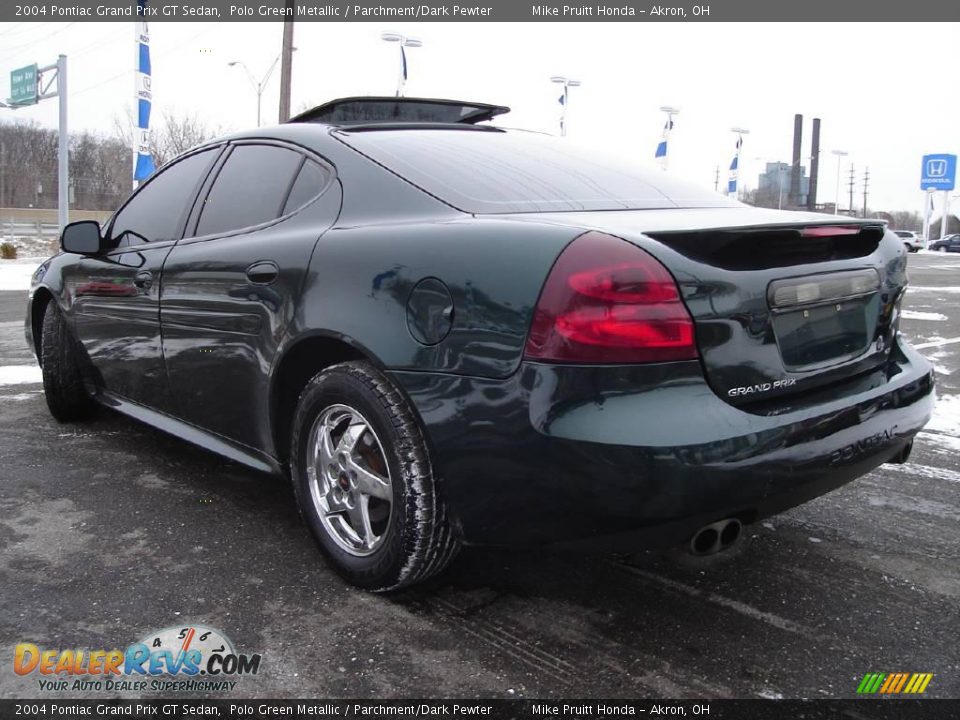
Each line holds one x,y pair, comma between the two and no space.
906,220
172,136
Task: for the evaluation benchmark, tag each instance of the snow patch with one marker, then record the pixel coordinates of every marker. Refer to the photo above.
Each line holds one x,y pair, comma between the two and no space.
935,288
936,341
19,397
16,274
915,315
941,443
20,374
946,416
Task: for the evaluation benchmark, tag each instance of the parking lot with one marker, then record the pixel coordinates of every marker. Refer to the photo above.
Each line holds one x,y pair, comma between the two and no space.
110,530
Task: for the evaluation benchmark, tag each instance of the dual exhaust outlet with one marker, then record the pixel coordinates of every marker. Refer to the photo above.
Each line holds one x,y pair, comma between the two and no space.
716,537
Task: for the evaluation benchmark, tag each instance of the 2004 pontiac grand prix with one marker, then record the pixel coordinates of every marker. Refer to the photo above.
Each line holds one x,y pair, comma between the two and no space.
449,333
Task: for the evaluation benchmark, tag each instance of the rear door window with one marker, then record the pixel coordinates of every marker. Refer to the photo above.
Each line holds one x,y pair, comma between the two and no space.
250,188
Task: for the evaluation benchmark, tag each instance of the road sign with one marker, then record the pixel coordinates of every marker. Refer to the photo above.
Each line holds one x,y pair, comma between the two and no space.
939,172
23,85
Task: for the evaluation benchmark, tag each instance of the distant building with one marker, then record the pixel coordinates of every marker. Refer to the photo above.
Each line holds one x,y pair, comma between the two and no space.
776,179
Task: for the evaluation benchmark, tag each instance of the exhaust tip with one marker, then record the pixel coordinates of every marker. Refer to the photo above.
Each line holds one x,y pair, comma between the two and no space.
902,455
730,533
705,541
716,536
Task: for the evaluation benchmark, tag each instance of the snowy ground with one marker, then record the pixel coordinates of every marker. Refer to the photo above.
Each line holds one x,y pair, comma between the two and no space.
15,274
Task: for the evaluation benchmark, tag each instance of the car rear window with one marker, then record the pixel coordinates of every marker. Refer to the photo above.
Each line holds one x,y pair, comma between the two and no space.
492,171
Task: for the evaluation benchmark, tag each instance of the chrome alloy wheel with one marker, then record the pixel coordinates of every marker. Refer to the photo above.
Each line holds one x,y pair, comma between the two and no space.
349,480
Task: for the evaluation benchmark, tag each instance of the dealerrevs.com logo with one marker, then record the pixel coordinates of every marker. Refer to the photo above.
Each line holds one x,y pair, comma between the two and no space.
194,658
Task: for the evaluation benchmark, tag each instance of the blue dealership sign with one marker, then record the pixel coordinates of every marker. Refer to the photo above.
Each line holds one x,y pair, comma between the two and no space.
939,172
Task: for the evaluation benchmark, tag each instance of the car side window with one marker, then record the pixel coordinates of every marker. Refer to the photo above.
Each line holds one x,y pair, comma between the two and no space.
309,183
156,212
249,189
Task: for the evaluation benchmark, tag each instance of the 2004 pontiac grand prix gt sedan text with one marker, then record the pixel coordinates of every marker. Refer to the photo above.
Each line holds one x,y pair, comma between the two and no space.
449,333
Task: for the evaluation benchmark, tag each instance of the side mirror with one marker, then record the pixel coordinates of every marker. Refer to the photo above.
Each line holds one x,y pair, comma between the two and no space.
82,237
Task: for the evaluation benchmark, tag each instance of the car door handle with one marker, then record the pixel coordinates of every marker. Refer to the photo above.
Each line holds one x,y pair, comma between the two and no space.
263,273
143,279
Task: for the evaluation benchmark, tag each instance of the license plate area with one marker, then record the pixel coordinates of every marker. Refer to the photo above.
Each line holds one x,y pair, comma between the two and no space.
824,320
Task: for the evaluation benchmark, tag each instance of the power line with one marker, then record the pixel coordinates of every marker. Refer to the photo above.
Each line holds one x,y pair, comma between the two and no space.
866,185
13,27
850,185
123,73
15,50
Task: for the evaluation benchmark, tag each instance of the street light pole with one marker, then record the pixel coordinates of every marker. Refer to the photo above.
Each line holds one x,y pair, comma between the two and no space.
404,42
565,98
836,204
257,86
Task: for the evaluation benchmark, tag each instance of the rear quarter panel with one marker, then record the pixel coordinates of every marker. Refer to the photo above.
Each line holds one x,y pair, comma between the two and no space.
361,278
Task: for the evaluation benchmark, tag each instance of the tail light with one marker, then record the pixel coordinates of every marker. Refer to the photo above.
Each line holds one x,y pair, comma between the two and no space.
607,301
818,231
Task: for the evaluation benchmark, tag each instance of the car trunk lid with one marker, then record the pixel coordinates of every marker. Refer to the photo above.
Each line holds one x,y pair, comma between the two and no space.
783,303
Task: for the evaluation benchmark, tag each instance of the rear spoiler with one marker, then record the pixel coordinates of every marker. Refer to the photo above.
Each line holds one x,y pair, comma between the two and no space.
392,110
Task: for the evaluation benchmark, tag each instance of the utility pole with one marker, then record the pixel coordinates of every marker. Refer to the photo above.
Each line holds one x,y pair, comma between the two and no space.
850,184
286,62
63,152
3,173
866,186
716,180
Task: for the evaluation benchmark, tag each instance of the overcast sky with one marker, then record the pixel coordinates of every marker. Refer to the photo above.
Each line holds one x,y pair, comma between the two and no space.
876,87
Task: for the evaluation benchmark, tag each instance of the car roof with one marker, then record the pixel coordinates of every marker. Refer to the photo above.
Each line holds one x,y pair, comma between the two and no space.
379,110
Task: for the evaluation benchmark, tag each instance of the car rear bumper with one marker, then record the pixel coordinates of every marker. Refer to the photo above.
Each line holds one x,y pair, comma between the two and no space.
642,456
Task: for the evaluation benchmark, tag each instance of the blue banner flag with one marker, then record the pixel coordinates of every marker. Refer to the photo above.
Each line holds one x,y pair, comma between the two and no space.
735,169
144,166
661,152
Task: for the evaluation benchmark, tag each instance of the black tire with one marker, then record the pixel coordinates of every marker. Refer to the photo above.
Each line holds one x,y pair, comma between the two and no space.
417,540
67,398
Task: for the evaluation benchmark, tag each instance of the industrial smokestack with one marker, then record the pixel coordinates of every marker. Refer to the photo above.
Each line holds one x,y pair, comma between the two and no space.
795,168
814,165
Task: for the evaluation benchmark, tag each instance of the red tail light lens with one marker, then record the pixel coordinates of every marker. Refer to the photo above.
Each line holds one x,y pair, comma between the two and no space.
607,301
828,231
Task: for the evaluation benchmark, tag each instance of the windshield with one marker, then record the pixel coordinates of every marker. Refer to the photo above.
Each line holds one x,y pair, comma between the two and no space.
492,171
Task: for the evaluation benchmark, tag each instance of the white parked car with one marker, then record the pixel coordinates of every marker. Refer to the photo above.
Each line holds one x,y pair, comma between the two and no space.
913,241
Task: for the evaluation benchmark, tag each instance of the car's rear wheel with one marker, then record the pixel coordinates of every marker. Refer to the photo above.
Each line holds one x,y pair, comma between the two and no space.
364,481
66,396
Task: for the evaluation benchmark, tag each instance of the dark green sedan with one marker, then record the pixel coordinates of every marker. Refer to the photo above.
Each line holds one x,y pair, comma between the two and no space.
449,333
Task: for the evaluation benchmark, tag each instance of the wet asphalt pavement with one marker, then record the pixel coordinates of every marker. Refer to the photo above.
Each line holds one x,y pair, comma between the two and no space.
110,530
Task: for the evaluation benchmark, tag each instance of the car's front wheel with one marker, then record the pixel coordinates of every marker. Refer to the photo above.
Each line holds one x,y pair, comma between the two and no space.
364,481
63,388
